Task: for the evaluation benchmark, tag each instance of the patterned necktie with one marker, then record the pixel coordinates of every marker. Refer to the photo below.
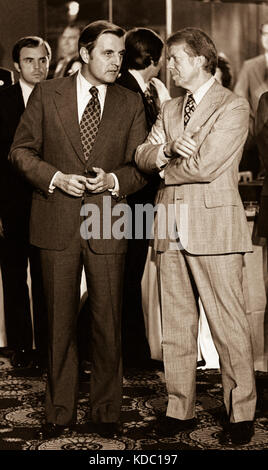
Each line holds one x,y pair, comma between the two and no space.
153,104
89,123
189,108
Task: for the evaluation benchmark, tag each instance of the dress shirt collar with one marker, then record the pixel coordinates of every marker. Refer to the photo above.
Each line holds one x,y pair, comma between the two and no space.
266,58
199,94
83,87
26,91
136,74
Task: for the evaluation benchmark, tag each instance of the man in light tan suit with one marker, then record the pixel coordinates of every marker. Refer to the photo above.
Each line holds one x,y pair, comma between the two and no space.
196,145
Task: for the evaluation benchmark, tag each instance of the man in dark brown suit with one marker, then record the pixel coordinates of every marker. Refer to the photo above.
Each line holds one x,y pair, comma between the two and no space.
31,57
51,150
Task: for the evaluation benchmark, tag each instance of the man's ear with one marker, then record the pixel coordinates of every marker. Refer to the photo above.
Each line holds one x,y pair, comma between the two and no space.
17,67
201,60
84,54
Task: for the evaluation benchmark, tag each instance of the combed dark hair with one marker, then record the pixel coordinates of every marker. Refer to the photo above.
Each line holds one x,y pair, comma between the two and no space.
198,43
92,31
29,41
225,68
143,46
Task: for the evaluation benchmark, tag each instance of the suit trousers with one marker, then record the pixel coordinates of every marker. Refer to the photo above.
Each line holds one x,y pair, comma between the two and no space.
218,279
15,252
62,276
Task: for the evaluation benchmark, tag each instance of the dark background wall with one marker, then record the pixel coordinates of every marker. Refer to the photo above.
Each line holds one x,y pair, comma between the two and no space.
19,18
233,26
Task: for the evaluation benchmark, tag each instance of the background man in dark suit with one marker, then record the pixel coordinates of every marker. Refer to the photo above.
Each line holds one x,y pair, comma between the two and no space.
69,61
141,65
261,129
31,56
69,167
6,78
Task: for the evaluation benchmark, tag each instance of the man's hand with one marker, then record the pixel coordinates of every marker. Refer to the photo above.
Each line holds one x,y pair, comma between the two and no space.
101,182
185,146
70,184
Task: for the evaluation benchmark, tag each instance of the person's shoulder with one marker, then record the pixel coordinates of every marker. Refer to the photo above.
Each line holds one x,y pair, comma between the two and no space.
234,100
55,84
254,61
228,98
10,90
126,92
264,97
6,73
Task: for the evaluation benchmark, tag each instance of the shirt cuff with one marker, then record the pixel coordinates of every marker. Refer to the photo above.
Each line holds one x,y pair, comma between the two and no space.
51,186
115,190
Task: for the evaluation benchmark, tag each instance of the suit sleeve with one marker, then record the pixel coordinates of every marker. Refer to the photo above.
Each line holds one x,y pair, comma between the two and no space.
242,89
261,129
221,146
216,152
149,155
26,150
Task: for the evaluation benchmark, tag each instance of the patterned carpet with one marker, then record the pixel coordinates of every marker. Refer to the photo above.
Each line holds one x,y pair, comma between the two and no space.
144,397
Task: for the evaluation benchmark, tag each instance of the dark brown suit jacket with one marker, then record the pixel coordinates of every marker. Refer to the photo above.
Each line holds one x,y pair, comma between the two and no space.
48,140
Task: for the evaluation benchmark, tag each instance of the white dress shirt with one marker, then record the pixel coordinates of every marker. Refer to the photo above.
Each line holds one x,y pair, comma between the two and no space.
83,97
139,78
26,91
162,91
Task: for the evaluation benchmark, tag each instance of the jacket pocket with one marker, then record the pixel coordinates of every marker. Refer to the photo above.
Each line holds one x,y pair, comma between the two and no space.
39,195
221,197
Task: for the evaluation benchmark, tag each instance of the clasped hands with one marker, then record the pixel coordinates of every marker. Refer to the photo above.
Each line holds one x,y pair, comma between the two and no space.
184,146
76,185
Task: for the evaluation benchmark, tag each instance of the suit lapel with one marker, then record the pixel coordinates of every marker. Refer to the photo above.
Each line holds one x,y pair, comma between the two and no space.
175,118
66,103
206,107
202,113
113,109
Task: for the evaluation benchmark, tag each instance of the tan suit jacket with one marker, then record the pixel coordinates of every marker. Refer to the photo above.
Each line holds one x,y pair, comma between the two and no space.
208,181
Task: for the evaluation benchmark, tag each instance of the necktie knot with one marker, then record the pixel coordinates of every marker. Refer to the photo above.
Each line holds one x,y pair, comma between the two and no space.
190,106
94,92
